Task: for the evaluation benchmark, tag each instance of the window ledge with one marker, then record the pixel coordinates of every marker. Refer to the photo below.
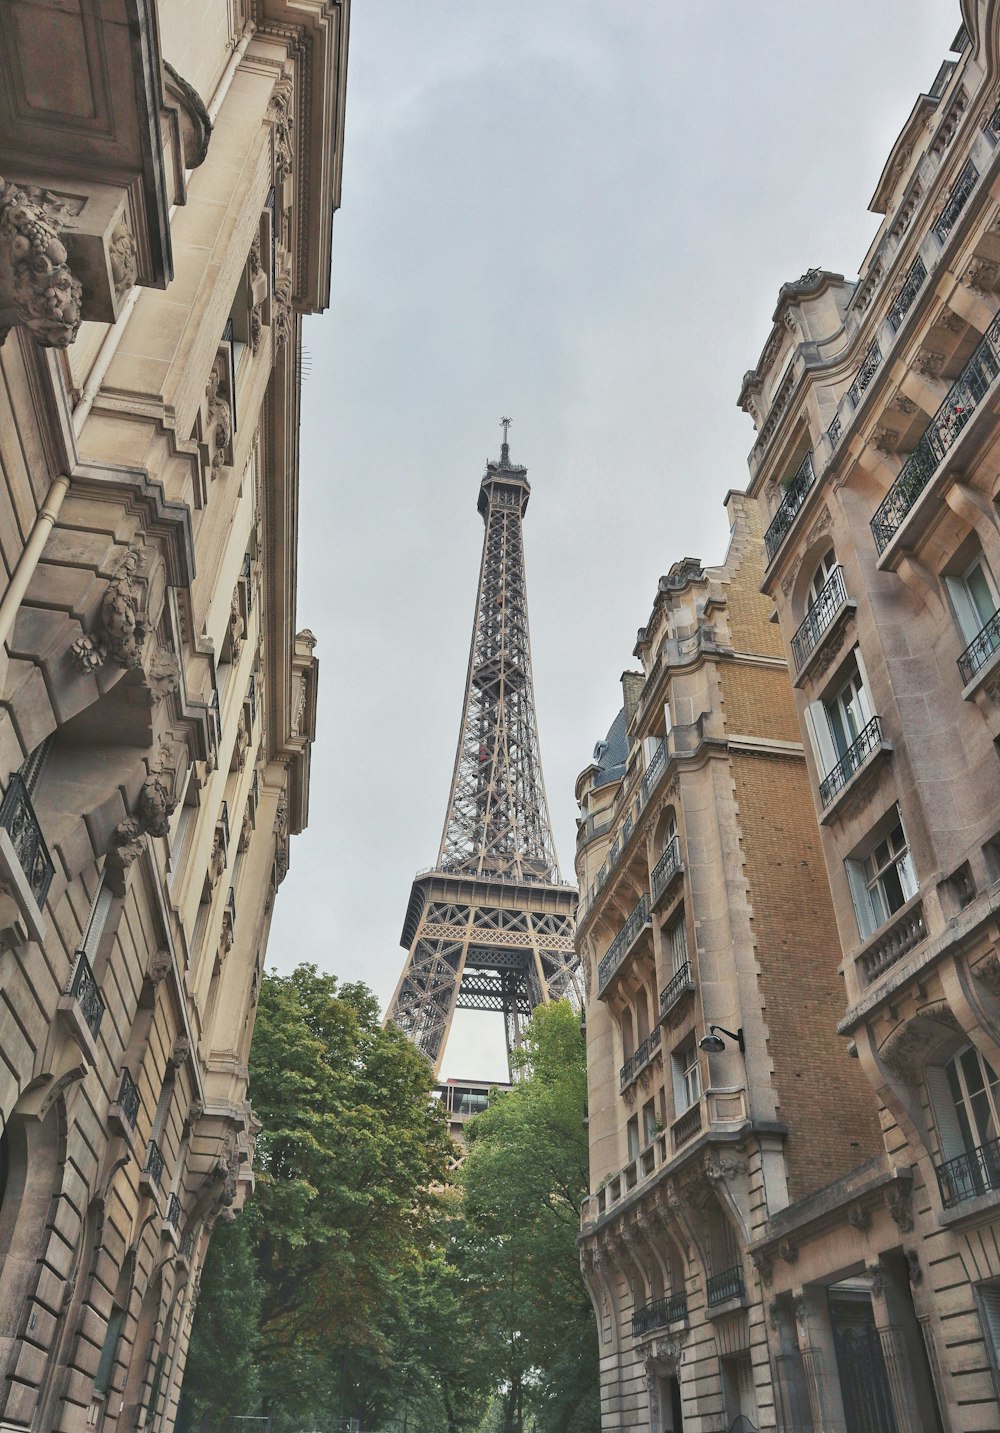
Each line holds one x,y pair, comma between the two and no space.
971,1211
864,774
71,1016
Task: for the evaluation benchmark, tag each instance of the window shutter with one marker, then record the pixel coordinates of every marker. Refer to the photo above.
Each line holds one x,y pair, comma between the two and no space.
865,702
862,901
945,1115
968,620
822,741
98,920
989,1314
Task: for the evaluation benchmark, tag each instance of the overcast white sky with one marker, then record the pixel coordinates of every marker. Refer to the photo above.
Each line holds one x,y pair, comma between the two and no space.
578,214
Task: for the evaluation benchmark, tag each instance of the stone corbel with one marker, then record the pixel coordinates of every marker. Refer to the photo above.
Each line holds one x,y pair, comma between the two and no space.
217,444
38,290
120,633
155,807
281,308
279,116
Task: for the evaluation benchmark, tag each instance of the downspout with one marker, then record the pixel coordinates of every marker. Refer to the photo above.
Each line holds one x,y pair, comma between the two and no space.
31,555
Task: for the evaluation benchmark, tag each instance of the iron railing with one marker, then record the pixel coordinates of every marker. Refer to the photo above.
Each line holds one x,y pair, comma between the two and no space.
666,867
980,649
865,374
956,201
187,1242
246,573
820,617
669,1309
911,286
968,390
155,1163
128,1098
18,819
679,984
174,1212
216,715
854,758
727,1285
622,942
975,1172
87,995
656,764
834,431
643,1054
795,496
252,700
231,907
224,822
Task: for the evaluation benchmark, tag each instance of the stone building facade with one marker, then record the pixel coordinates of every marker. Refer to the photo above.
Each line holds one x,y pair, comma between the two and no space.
169,175
704,904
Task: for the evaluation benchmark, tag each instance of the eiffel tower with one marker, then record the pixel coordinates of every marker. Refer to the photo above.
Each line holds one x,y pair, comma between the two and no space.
490,927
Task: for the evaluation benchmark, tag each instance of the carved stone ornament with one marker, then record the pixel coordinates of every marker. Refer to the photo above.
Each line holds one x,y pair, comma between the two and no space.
627,1095
773,1314
914,1270
885,440
675,1199
226,936
900,1202
279,114
281,309
123,257
156,805
904,1050
236,627
38,291
119,634
163,675
181,1051
801,1309
664,1355
987,972
929,363
788,1251
220,418
859,1219
217,860
724,1169
195,1111
878,1278
159,967
764,1264
902,404
983,275
246,830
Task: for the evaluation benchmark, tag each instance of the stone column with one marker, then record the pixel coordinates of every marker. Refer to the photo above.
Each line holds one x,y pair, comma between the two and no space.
819,1359
913,1398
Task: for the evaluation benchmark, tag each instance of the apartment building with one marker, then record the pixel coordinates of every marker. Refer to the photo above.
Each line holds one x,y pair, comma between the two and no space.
169,175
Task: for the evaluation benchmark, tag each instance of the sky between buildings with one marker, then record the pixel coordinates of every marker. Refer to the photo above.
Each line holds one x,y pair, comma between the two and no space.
578,214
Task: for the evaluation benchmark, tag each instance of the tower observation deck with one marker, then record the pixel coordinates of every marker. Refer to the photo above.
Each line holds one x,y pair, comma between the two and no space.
491,925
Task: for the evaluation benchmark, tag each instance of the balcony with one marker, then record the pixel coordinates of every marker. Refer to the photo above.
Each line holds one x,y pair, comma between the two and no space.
854,759
154,1164
655,769
686,1127
912,284
623,943
980,650
87,996
821,621
124,1111
941,434
956,201
658,1313
722,1288
970,1175
174,1213
636,1063
24,854
681,983
667,869
865,374
903,934
795,496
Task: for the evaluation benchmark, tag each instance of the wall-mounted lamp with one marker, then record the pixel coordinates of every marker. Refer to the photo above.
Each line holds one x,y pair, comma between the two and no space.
714,1044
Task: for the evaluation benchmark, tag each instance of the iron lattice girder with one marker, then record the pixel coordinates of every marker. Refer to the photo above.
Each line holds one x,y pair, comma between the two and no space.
492,927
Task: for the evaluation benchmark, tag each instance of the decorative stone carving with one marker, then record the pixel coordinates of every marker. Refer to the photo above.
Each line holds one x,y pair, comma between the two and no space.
126,847
242,746
38,291
281,309
773,1314
878,1278
119,634
236,627
764,1264
220,418
913,1268
988,973
859,1219
246,830
159,967
180,1052
156,805
279,115
195,1111
163,675
929,363
900,1202
801,1309
123,257
724,1168
217,860
983,275
903,1051
902,404
788,1251
884,440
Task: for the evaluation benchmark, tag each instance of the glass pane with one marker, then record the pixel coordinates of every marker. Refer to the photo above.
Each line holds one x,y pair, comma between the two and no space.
972,1072
893,889
981,594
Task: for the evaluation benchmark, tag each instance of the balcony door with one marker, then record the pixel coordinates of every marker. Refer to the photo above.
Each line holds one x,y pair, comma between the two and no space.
849,711
965,1095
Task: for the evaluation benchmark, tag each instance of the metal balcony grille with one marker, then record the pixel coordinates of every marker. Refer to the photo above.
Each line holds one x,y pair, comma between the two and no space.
834,430
666,867
622,942
969,1175
87,995
980,649
643,1054
18,819
247,575
653,771
820,617
865,374
912,284
968,390
678,984
252,700
174,1212
658,1313
727,1285
956,201
128,1098
795,496
853,759
155,1163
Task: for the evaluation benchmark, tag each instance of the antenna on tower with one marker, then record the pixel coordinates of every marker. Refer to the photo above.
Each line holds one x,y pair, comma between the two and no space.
504,447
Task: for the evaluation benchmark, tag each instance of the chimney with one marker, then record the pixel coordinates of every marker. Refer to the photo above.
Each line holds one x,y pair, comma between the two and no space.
632,685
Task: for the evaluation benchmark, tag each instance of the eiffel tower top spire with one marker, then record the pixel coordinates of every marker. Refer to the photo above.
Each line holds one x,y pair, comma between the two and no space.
498,823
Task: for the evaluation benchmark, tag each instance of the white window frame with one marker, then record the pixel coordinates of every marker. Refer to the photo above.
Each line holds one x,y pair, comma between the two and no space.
825,568
825,737
677,937
686,1070
868,889
964,601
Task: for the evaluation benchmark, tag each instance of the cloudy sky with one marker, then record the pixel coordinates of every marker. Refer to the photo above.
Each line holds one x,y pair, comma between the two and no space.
578,214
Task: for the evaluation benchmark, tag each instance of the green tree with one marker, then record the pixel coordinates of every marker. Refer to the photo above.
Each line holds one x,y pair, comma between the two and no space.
524,1178
222,1376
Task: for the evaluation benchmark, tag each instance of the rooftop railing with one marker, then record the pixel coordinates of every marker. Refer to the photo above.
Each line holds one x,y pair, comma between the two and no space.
724,1286
18,819
622,943
820,618
795,496
666,867
968,390
980,649
87,995
971,1174
658,1313
854,758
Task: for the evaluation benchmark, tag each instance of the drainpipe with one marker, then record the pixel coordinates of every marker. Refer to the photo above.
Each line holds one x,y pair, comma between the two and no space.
222,88
31,555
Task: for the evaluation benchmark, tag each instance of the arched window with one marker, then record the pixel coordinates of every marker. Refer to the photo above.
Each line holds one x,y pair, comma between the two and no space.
822,575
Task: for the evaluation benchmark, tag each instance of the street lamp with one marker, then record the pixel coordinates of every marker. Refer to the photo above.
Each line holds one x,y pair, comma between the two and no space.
713,1044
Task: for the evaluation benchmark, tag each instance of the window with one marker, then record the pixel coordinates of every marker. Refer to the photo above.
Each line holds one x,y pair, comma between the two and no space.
989,1316
975,1091
836,722
974,598
649,1121
883,880
632,1130
965,1097
820,578
687,1077
677,942
102,1379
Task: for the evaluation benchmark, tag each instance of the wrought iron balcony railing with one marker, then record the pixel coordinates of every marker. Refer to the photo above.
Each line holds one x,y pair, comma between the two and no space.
965,394
666,868
87,995
911,286
622,943
956,201
834,431
155,1163
679,984
246,573
720,1288
854,758
654,770
128,1098
18,819
980,649
969,1175
174,1212
644,1052
795,496
865,374
658,1313
820,617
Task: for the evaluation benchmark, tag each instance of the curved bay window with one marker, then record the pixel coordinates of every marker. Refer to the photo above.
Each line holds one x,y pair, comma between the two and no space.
965,1094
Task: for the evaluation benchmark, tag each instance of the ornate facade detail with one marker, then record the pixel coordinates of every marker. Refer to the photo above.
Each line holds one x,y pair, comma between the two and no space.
884,440
914,1269
180,1052
119,635
220,418
282,125
43,295
163,675
878,1274
723,1169
929,363
237,627
788,1251
156,805
987,972
282,309
124,260
159,967
763,1261
900,1203
859,1219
